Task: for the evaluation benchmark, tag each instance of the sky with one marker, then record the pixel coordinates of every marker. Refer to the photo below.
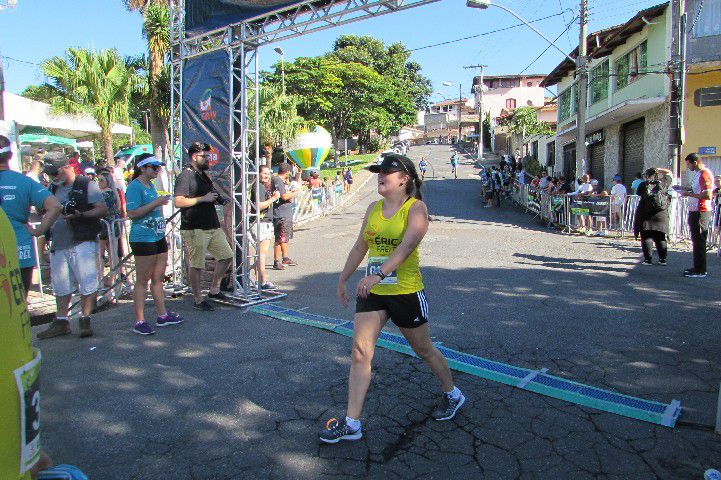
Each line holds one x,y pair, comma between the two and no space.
38,29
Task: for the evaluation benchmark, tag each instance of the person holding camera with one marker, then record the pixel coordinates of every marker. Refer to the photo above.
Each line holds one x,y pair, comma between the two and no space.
196,197
18,193
74,248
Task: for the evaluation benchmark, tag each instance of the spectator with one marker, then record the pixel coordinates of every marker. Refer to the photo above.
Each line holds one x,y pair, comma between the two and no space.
618,199
348,180
266,197
522,177
700,212
148,243
74,250
36,172
314,181
112,203
544,182
18,193
283,218
496,185
651,221
119,174
74,159
196,197
536,181
86,162
585,188
636,182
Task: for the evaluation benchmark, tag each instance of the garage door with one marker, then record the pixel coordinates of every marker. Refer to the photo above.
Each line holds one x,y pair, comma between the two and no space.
569,160
632,150
595,156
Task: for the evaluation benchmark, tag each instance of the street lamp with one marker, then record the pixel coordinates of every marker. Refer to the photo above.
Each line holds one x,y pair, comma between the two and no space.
280,52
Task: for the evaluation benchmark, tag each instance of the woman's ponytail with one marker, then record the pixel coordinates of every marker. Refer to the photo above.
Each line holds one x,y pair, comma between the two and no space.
417,182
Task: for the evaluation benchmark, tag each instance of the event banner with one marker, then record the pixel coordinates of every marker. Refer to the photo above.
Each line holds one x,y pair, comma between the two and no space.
206,111
593,206
204,15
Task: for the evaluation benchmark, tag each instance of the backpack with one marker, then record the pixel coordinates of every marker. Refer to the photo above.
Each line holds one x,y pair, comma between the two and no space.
656,197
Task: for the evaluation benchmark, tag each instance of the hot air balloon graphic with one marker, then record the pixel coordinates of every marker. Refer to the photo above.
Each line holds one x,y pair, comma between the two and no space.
309,149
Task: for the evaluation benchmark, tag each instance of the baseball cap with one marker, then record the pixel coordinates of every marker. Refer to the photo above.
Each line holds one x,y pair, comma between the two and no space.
149,161
390,163
617,178
54,161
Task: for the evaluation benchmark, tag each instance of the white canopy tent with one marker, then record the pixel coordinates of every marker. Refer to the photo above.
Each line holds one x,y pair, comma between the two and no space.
26,112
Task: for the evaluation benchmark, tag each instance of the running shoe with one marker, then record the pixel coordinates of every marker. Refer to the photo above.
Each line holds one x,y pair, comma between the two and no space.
647,262
278,265
143,328
695,274
268,286
688,272
335,431
204,306
662,262
448,407
218,296
170,318
287,261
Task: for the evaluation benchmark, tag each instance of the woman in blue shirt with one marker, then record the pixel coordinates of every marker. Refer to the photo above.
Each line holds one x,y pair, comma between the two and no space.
147,241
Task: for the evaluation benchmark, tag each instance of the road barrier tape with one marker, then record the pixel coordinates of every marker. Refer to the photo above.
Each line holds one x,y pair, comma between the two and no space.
537,381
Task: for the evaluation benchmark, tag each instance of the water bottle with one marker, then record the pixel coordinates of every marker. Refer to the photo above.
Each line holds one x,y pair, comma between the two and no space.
711,474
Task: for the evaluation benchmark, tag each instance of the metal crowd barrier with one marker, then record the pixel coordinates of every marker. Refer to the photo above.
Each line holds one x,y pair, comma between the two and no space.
313,203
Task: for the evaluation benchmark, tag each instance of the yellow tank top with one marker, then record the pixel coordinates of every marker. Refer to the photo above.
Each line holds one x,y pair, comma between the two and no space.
19,368
383,235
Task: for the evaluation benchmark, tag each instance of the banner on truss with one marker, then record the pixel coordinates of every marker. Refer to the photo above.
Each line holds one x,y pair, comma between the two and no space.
206,112
205,15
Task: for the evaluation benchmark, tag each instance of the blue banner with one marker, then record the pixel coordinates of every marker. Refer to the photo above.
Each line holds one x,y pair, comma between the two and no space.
206,111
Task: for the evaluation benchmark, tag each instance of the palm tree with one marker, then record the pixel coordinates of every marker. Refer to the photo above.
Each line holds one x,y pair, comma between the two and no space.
97,83
279,119
156,30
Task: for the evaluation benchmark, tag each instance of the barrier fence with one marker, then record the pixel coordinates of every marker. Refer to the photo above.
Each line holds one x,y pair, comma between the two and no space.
601,215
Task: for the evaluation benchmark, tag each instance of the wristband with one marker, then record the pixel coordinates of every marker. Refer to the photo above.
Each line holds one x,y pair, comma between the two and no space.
381,274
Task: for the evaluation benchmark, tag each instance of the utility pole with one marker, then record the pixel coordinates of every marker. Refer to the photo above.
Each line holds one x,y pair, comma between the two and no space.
479,102
678,81
460,110
581,66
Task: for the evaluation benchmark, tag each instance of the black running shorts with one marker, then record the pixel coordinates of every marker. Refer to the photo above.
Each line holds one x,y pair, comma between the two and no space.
408,310
144,249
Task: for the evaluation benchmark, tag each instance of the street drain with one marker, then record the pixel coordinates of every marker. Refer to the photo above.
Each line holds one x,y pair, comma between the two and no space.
537,381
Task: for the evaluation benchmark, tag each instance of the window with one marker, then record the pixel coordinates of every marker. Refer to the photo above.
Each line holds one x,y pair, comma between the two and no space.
707,97
510,103
567,103
510,82
529,84
631,66
598,88
551,153
708,22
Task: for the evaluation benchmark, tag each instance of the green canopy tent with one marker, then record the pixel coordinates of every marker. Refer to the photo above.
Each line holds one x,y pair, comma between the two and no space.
46,137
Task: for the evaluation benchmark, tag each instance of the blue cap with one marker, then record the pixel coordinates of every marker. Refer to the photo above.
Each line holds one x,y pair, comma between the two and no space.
617,178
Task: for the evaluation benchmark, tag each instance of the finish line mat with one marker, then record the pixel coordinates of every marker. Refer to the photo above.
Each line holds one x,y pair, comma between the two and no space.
537,381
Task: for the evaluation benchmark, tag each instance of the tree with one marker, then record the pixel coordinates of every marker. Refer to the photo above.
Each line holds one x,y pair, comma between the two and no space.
97,83
525,121
156,30
279,119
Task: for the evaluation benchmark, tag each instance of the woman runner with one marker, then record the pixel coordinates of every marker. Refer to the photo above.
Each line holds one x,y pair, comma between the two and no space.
147,241
392,289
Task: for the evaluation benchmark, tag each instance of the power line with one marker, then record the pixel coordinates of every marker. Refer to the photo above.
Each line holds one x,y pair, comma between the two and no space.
549,46
510,27
19,60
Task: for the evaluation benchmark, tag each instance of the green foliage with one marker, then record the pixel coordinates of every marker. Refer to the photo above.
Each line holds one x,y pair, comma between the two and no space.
39,93
279,119
533,166
525,121
376,144
360,87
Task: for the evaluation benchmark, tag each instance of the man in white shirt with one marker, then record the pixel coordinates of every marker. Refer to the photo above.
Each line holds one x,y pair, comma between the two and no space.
584,221
119,175
618,198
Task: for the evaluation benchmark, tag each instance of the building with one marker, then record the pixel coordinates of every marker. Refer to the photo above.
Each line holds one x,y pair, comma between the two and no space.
441,120
540,147
504,93
627,116
702,131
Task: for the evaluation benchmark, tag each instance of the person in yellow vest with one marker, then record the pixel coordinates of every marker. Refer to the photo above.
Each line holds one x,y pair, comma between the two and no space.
20,452
392,289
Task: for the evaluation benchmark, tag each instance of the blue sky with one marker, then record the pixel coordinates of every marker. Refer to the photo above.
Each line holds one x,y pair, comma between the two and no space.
38,29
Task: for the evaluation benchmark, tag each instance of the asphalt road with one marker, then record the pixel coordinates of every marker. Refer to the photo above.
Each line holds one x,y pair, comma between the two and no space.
235,395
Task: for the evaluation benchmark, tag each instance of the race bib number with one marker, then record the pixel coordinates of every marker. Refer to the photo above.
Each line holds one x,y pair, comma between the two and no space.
160,226
27,379
374,268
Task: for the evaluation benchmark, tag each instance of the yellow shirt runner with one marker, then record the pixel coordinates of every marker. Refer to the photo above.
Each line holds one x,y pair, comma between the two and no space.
383,235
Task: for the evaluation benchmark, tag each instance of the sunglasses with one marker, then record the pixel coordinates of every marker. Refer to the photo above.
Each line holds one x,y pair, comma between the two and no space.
154,167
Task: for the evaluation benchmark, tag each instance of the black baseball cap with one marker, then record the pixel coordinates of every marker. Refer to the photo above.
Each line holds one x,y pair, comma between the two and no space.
390,163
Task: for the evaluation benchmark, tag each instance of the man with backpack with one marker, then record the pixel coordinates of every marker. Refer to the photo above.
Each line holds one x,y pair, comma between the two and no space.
651,221
700,213
74,248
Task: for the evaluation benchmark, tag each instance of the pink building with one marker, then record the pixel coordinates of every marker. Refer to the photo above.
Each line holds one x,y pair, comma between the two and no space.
504,93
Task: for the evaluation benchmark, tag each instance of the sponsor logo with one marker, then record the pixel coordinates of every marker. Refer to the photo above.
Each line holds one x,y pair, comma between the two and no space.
214,157
206,105
384,241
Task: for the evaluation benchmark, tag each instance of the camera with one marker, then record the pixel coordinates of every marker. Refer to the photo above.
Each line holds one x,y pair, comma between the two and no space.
221,200
70,207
